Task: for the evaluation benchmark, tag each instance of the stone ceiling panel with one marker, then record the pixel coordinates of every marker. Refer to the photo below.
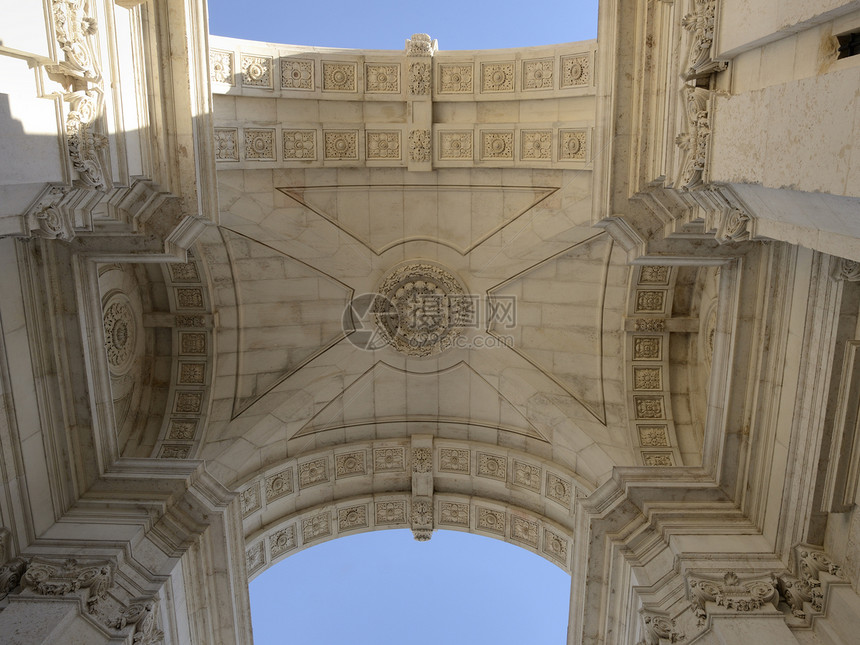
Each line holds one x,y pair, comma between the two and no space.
289,311
454,215
388,395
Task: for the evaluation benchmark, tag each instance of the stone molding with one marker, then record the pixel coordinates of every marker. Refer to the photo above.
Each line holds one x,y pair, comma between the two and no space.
700,25
803,588
46,577
745,593
844,269
658,629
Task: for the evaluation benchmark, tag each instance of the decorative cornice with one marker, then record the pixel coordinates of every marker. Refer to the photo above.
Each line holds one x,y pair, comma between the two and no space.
58,578
743,594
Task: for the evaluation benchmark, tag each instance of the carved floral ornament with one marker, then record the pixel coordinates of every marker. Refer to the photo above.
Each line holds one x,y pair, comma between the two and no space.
48,578
730,591
699,24
803,590
421,45
844,269
658,629
694,143
73,28
420,309
46,218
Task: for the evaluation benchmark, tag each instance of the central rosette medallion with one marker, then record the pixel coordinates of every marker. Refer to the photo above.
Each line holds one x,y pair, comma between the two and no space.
421,308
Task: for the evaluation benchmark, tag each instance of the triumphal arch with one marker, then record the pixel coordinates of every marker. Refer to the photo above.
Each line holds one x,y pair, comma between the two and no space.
597,299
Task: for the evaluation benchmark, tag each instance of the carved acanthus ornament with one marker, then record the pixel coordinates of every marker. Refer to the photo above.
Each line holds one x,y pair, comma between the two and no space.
12,570
733,226
419,145
11,574
49,578
658,629
805,591
73,28
700,26
844,269
694,143
86,145
730,591
45,218
141,613
419,78
422,517
421,45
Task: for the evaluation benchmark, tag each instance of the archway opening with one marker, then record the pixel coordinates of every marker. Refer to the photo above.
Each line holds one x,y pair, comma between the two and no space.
383,588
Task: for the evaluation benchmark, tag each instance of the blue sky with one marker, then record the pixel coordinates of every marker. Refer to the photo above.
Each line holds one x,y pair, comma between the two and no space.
385,24
384,588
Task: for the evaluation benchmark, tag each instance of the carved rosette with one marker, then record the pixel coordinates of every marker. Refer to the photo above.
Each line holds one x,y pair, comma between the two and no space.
120,334
694,143
51,578
420,309
700,27
749,593
86,145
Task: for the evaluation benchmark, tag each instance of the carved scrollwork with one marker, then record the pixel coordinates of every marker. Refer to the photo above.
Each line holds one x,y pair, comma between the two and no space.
797,593
700,25
805,590
73,28
657,629
141,613
45,218
11,574
730,591
48,578
844,269
86,145
694,143
733,226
